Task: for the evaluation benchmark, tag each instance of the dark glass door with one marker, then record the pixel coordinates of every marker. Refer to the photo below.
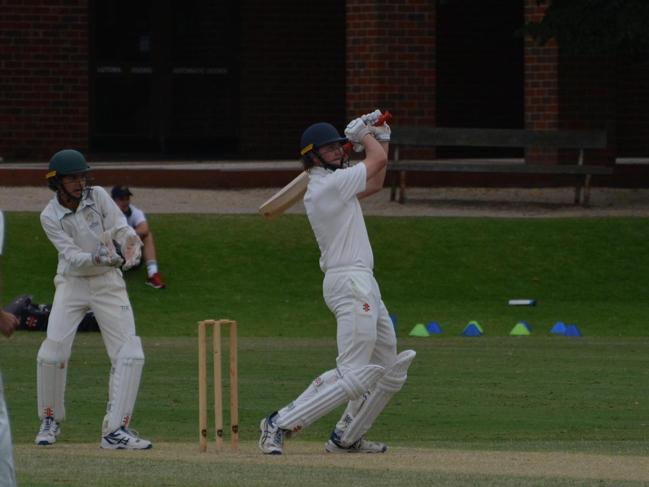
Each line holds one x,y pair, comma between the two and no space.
164,77
480,71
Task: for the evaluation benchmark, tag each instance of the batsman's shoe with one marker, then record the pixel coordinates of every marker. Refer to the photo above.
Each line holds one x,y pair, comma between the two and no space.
360,446
155,281
271,441
124,439
48,432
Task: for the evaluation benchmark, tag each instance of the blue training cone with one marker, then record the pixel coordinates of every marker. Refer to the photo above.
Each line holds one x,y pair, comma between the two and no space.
472,330
433,328
476,324
394,321
559,328
572,330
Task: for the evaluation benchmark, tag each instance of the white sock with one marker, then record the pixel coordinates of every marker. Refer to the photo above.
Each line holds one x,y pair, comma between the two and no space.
151,267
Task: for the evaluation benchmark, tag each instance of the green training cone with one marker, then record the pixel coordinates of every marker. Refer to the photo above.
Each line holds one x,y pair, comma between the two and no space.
419,331
519,330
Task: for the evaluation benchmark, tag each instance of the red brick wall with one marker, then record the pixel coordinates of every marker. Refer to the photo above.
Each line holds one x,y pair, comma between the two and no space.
541,86
292,72
43,77
566,93
391,59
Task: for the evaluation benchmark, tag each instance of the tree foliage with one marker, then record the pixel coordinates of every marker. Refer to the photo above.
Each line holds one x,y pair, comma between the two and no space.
595,28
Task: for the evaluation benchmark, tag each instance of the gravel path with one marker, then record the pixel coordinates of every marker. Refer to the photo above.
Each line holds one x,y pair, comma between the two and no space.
492,202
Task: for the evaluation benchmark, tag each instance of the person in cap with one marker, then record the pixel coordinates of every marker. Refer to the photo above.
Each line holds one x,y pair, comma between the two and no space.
137,219
94,245
368,370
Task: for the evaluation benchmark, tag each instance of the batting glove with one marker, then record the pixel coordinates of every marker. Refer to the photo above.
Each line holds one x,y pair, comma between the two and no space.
8,323
371,118
381,132
356,130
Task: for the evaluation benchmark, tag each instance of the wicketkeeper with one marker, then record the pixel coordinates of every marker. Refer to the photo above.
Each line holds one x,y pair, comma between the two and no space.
368,370
94,243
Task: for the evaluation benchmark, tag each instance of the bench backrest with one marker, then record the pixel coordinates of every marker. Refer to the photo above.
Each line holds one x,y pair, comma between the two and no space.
471,137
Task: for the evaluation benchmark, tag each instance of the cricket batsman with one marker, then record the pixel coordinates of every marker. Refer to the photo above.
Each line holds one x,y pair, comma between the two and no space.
368,369
94,243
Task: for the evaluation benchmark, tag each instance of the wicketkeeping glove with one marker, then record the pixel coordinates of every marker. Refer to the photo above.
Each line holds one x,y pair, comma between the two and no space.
132,251
106,255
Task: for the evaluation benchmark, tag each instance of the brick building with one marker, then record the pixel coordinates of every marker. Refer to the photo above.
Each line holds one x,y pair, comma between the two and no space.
225,78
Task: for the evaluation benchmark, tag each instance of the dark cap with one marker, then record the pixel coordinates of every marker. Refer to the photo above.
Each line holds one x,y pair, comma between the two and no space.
120,192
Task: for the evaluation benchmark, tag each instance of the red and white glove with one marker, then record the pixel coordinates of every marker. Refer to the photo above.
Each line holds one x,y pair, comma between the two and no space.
356,130
372,117
381,132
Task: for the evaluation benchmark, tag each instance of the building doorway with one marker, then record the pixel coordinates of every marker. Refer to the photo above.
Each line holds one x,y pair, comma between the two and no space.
480,69
164,77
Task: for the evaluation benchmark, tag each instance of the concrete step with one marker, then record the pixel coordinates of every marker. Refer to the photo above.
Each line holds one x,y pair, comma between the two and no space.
183,174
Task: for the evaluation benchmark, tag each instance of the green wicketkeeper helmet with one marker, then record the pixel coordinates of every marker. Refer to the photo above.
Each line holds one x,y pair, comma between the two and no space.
66,162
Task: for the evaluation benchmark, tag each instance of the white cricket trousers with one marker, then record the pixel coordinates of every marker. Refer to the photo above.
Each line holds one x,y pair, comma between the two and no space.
7,471
105,295
365,333
365,336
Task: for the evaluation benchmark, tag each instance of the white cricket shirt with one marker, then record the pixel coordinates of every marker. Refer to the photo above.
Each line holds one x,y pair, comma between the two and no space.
336,217
76,235
136,217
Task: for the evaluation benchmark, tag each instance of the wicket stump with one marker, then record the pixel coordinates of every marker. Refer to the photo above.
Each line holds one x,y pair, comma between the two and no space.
217,326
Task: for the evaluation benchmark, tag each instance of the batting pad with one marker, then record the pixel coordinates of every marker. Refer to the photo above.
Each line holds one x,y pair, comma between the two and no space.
124,384
51,374
320,382
350,386
386,387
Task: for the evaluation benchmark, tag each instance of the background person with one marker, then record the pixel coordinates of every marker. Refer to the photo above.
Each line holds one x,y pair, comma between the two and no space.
82,222
368,370
8,323
137,219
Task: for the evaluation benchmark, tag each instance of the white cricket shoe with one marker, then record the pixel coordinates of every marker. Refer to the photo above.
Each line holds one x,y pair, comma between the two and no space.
124,439
360,446
271,441
48,432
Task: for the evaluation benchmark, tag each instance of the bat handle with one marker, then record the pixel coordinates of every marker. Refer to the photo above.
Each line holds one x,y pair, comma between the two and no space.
386,117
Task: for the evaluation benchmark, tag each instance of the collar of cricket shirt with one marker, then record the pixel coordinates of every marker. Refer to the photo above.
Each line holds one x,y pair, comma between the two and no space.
61,211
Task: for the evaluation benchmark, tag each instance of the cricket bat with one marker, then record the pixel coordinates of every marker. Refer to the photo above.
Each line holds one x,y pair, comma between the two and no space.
285,198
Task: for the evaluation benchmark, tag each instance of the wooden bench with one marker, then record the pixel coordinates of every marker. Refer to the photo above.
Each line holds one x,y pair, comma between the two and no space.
420,137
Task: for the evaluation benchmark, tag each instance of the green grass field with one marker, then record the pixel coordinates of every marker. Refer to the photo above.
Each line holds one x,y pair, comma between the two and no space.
494,410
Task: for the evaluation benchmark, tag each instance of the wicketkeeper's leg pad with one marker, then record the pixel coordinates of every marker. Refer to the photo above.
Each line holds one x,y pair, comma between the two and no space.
377,399
352,385
51,374
124,384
